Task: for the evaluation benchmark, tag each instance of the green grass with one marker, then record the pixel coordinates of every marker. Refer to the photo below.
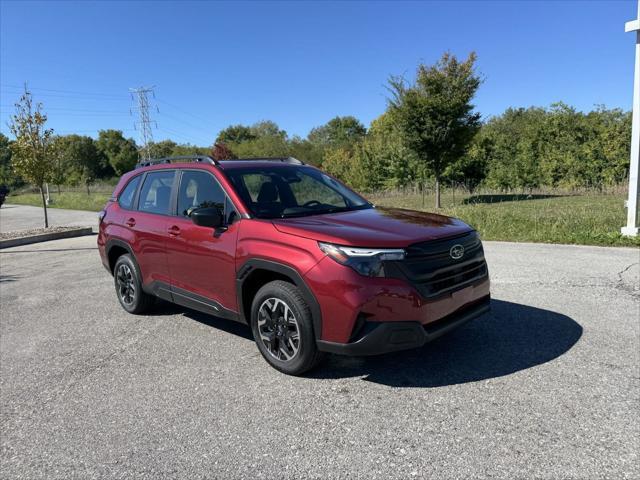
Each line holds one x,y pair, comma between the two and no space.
72,200
589,219
577,219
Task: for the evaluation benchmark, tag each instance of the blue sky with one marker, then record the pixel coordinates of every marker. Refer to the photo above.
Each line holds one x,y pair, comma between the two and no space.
299,63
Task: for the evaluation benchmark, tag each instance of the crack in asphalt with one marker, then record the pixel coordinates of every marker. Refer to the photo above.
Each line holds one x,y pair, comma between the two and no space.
600,282
625,269
621,285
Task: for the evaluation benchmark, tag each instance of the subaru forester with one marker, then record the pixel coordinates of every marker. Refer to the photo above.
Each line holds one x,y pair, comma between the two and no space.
308,264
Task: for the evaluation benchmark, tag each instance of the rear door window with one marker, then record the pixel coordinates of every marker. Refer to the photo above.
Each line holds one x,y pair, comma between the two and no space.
155,194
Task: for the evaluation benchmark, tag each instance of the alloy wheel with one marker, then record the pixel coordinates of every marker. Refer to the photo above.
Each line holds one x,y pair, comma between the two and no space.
278,329
126,284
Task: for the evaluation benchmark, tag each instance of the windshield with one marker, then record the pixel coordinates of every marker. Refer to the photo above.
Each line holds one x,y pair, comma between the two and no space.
288,191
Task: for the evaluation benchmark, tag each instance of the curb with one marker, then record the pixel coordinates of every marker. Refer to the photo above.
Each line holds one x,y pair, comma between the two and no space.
45,237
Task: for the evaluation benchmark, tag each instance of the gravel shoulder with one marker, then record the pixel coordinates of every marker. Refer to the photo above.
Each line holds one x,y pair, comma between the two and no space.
547,386
31,232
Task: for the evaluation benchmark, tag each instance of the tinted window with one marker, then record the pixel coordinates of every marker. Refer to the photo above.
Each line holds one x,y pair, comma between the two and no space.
155,194
288,191
199,190
126,197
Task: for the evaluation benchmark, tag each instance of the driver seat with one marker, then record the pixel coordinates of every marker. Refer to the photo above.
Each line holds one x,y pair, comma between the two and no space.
268,198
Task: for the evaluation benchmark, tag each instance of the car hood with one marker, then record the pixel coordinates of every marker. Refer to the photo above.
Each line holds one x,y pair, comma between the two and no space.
373,227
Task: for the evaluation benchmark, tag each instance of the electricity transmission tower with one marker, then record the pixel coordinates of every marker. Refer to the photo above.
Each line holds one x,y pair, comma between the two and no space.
141,97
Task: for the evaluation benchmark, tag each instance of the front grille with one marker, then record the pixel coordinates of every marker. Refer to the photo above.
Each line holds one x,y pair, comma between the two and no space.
430,268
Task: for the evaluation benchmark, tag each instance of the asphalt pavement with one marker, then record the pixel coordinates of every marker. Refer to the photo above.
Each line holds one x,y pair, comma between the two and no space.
547,386
25,217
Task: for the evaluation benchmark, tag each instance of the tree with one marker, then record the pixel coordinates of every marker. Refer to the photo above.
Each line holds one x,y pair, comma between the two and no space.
359,166
188,149
32,151
263,139
512,145
556,147
235,134
384,142
338,132
339,163
612,142
435,114
306,151
79,160
7,176
121,152
267,128
164,148
267,146
221,152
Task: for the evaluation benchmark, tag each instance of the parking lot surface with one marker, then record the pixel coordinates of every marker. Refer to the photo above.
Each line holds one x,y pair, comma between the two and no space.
24,217
547,386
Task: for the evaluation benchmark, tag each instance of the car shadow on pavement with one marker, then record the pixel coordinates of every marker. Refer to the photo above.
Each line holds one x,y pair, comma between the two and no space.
511,338
235,328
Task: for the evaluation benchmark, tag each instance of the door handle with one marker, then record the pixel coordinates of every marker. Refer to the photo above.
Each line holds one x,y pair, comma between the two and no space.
174,230
131,222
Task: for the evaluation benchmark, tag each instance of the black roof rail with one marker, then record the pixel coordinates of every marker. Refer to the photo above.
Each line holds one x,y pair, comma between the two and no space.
291,160
193,158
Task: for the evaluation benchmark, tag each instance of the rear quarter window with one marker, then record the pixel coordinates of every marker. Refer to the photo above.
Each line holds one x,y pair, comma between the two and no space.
125,199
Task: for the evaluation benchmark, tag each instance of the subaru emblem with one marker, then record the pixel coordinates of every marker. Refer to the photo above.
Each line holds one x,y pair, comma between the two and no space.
457,252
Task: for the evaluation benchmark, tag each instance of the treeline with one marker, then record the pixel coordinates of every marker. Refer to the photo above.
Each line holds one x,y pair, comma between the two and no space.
430,132
82,160
520,149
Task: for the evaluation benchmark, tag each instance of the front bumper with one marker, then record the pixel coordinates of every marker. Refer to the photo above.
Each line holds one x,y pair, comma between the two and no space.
384,337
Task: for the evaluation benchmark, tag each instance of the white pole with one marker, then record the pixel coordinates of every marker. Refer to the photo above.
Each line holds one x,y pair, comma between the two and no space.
632,203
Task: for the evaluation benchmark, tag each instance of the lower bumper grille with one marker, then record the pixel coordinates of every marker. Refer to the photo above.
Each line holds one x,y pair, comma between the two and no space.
453,278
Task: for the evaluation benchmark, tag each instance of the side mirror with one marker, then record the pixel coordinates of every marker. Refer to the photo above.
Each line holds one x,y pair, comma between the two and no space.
207,217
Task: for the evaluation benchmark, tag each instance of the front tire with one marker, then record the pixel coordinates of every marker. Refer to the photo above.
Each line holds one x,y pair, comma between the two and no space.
128,283
282,327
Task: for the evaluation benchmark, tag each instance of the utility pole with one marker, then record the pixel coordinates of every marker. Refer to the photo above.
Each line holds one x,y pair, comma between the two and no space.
634,188
141,97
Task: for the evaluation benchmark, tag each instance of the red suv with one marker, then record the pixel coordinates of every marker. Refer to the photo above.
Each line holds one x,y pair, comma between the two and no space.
310,265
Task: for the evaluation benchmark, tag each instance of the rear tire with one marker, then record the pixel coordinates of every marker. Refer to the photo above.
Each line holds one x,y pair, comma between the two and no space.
128,283
282,327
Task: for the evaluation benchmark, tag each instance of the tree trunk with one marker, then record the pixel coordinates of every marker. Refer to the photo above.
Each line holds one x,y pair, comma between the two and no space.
88,191
58,188
437,191
44,205
423,189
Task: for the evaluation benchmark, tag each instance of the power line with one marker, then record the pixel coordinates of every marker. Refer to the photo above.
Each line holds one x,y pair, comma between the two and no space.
171,117
65,109
95,130
197,117
65,91
70,97
182,135
144,122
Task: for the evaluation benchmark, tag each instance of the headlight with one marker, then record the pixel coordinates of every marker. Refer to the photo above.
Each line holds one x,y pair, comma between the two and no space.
365,261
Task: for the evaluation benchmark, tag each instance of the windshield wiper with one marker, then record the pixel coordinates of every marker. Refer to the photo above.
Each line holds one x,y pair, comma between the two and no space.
325,211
